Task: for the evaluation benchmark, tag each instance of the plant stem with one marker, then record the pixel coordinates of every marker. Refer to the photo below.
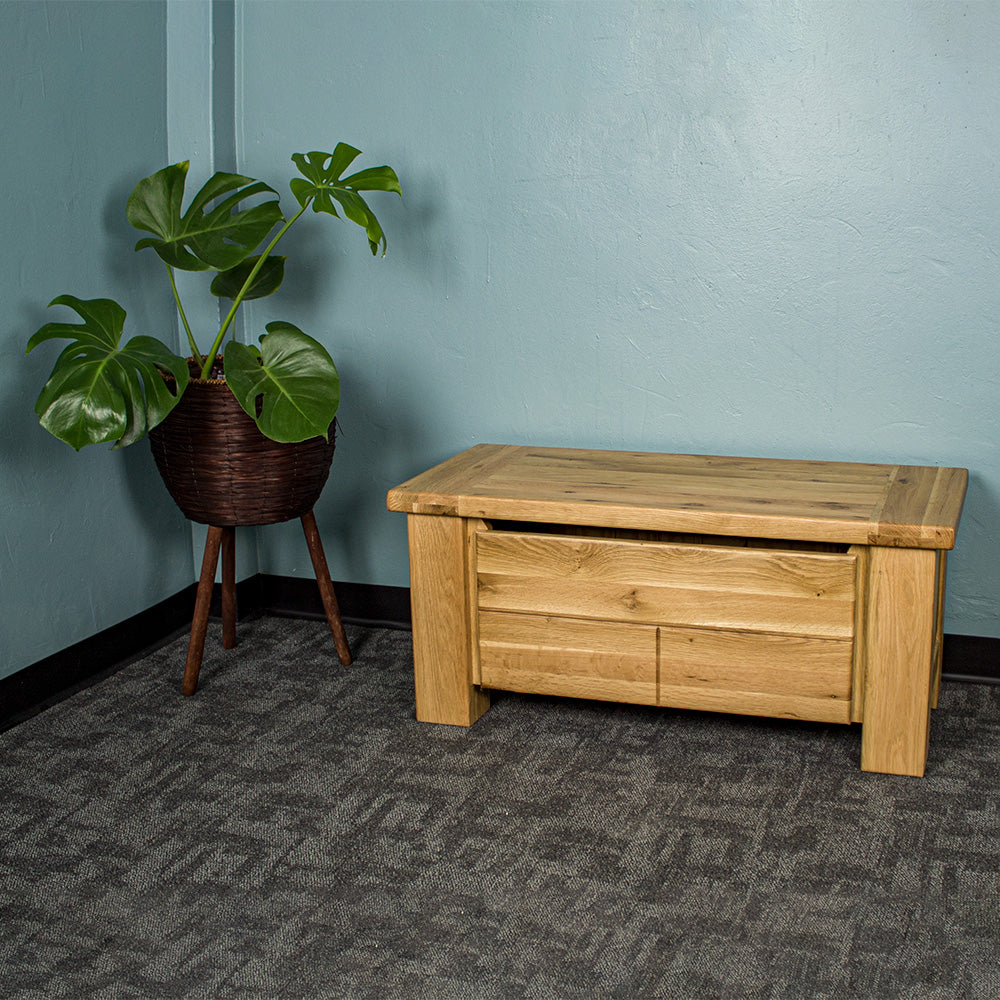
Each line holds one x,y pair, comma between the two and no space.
180,310
238,301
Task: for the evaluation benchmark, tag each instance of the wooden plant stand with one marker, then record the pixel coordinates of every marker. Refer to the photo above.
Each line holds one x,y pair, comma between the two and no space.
807,590
222,540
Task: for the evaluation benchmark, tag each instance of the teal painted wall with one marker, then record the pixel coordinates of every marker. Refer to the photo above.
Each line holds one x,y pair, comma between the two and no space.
761,229
741,228
200,123
85,540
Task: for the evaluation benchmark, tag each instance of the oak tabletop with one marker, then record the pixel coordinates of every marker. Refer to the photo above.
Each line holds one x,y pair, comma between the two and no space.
845,502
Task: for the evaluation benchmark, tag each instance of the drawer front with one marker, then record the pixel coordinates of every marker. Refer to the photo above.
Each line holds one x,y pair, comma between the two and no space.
703,586
606,661
749,673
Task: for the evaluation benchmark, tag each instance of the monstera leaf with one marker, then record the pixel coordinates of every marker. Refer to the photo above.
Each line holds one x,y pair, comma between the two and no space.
100,391
203,238
292,376
229,284
323,186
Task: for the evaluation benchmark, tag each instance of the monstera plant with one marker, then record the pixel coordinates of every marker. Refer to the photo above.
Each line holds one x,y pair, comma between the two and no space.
103,391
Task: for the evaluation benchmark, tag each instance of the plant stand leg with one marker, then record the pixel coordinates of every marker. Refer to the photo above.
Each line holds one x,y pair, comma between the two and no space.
228,588
325,585
202,606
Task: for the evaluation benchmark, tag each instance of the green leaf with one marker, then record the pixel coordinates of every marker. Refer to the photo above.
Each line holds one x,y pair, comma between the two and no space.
202,238
98,391
324,187
374,179
293,378
227,284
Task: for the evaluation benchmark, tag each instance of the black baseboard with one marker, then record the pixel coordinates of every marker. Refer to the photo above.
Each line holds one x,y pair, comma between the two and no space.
360,603
972,658
968,658
49,681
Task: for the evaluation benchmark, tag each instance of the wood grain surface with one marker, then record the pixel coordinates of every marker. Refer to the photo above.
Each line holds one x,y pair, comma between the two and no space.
770,590
798,589
848,502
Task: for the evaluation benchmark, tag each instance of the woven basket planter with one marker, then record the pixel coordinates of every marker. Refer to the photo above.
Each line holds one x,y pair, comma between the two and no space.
221,470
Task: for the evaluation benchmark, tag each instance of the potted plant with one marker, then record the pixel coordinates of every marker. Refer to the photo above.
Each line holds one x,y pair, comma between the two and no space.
241,433
101,391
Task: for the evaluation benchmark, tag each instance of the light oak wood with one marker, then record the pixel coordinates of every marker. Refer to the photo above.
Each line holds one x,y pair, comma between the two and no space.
746,673
920,505
758,674
903,585
473,527
776,706
733,588
799,589
442,630
859,663
853,503
607,661
938,661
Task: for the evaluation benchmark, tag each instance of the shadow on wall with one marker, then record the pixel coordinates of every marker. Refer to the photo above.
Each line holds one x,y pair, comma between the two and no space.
376,439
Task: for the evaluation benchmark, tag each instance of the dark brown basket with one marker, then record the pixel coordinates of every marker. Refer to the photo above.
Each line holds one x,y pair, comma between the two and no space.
221,470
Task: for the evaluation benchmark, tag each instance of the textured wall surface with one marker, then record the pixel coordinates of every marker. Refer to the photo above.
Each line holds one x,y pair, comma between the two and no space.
724,228
713,227
85,540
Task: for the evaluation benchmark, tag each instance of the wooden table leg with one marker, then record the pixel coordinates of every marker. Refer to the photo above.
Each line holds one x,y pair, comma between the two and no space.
902,622
442,621
228,588
325,585
202,606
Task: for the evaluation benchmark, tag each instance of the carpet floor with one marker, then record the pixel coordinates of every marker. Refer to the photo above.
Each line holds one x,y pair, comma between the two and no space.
292,832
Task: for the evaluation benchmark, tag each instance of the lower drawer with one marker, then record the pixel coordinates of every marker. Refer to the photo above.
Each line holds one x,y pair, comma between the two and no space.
742,672
536,654
750,673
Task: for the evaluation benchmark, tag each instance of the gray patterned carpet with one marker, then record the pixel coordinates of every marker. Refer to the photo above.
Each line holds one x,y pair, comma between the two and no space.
291,832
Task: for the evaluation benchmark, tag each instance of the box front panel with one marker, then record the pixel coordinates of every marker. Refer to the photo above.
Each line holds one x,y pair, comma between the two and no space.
763,631
710,586
795,677
607,661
